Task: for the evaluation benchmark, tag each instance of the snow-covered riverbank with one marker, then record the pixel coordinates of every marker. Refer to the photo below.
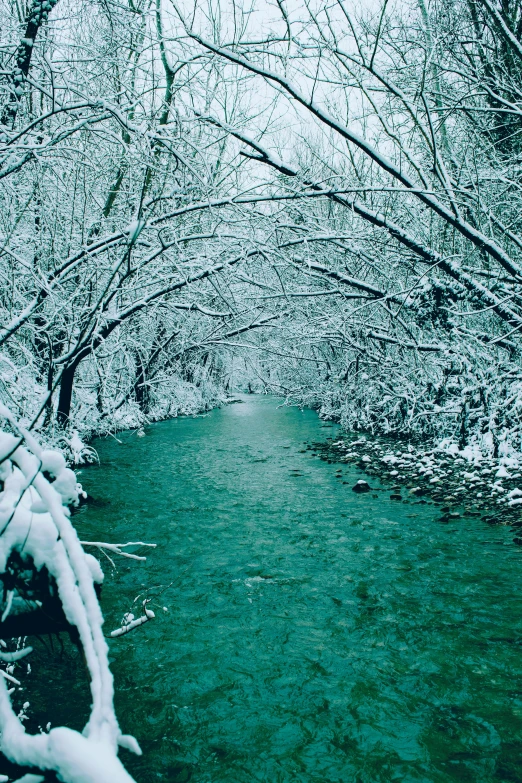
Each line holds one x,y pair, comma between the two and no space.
456,478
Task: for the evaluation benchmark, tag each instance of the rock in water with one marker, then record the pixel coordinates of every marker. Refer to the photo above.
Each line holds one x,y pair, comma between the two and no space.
361,486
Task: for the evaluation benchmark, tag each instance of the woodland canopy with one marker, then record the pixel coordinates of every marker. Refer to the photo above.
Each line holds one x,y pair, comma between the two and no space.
318,200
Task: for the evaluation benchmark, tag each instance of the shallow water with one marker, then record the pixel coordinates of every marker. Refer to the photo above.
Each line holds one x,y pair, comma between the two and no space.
312,634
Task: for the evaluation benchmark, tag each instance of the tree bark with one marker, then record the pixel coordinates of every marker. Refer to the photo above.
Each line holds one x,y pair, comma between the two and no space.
141,392
65,399
36,16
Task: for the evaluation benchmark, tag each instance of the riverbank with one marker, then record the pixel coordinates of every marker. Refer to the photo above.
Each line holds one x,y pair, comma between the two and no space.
74,443
461,481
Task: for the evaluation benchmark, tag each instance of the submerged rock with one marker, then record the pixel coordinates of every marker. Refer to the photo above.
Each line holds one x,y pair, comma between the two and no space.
361,486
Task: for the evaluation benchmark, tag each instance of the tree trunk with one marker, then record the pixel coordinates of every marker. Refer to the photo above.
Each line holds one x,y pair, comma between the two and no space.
141,392
50,380
65,399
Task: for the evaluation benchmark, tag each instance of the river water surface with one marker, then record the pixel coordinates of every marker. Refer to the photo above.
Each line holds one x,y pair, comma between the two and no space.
311,633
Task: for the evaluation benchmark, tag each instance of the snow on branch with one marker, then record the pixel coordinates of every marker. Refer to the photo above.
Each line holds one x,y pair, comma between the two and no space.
35,523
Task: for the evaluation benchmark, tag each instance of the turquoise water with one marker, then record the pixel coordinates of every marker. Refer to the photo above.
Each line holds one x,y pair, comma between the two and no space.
311,634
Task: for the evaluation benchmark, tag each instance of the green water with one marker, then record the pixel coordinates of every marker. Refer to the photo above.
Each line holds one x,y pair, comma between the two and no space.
312,634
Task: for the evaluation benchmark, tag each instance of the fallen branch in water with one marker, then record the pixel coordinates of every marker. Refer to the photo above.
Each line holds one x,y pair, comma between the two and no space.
117,548
132,623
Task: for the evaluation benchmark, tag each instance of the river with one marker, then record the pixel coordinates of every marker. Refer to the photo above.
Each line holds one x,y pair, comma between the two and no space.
309,633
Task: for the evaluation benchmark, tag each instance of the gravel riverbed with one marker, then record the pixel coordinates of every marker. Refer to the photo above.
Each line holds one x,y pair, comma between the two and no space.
463,482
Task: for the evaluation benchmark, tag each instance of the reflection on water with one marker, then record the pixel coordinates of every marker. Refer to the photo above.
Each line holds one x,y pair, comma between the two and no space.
312,634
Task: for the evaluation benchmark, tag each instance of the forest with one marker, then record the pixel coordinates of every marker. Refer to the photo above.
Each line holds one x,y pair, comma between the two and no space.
317,201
